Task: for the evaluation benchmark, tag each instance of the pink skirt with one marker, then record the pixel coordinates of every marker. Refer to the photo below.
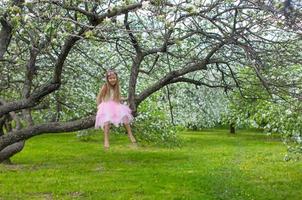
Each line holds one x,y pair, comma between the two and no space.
112,112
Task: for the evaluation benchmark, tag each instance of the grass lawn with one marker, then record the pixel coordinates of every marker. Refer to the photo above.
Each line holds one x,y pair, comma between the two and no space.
211,165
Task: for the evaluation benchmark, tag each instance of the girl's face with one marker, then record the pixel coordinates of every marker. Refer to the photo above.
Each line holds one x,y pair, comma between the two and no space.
112,79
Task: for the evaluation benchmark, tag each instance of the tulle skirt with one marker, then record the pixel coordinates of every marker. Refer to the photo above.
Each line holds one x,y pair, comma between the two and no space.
112,112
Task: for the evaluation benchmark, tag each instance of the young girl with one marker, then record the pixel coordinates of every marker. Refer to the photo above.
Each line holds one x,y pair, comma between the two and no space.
110,110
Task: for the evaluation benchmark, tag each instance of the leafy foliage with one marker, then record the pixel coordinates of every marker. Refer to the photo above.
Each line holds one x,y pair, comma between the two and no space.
152,126
253,106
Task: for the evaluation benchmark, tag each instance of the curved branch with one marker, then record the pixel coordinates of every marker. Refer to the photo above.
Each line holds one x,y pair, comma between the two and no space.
202,65
54,127
49,87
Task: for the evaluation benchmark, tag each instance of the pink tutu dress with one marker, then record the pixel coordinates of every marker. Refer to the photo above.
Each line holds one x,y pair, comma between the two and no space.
110,111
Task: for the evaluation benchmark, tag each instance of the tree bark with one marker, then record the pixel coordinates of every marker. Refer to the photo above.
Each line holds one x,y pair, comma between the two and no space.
232,128
5,37
6,31
11,150
170,105
14,148
2,122
132,84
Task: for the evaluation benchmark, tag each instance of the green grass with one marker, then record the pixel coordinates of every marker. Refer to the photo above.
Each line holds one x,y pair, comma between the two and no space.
211,165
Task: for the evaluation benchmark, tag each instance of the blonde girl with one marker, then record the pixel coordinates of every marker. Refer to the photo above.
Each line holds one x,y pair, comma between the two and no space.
110,110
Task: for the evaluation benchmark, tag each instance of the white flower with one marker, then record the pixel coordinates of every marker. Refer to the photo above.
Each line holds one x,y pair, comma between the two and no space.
106,20
120,19
268,126
199,2
288,112
145,35
254,123
145,4
299,139
26,18
237,2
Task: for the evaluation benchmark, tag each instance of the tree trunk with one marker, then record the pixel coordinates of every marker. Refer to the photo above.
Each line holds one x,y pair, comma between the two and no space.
132,84
10,150
2,122
170,106
232,128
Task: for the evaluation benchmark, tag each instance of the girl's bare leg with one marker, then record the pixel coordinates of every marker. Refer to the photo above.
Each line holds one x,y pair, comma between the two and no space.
106,135
130,135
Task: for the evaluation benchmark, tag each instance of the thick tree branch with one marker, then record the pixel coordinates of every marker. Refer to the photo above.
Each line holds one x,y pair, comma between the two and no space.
54,127
202,65
47,88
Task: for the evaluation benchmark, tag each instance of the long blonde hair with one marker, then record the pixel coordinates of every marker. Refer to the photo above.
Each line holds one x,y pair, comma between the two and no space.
106,88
